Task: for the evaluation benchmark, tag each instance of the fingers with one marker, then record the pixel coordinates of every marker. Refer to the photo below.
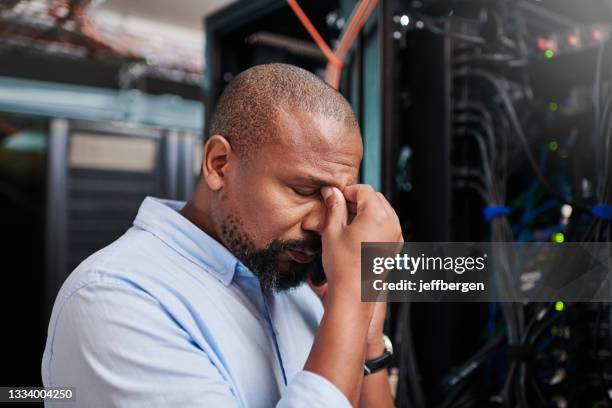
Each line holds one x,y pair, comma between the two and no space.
391,212
357,199
362,196
385,204
337,212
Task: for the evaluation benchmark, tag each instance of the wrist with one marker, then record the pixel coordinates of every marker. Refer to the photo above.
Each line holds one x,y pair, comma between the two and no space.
375,348
351,309
345,292
378,358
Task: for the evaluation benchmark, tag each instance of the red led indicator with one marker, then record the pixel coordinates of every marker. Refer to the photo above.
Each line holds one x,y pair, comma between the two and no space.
543,43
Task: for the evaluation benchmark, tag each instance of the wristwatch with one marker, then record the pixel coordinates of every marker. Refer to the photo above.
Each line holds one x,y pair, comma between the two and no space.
378,363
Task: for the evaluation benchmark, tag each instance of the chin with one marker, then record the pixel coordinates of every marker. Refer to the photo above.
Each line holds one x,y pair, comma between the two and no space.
288,266
294,273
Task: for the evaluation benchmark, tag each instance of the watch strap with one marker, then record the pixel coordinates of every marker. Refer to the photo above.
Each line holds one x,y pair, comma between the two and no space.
378,363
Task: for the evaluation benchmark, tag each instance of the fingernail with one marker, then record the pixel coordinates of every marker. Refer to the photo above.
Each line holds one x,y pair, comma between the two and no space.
326,192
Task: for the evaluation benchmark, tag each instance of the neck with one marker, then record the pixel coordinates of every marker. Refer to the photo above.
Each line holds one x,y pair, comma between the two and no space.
200,216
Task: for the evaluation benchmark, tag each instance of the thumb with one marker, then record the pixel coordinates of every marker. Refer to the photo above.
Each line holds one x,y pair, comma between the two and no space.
337,211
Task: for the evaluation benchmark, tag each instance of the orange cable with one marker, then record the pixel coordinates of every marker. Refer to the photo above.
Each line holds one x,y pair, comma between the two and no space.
344,45
329,54
363,10
360,20
332,73
335,58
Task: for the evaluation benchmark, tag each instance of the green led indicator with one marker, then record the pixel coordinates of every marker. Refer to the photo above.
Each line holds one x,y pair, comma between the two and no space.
549,53
559,306
558,237
552,145
553,106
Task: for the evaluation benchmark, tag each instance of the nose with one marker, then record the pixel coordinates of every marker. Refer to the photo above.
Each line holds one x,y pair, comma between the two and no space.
314,221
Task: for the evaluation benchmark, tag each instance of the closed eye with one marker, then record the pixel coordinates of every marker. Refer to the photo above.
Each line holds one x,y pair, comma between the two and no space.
304,193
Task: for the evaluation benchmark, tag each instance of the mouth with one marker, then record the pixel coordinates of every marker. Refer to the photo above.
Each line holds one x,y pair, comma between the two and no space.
301,256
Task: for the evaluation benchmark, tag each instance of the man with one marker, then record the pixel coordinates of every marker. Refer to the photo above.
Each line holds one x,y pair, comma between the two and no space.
205,304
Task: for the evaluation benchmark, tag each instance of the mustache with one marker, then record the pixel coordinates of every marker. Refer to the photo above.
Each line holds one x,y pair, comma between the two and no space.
307,246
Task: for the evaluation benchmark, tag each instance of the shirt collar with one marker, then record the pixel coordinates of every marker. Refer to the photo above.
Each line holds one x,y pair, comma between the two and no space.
163,219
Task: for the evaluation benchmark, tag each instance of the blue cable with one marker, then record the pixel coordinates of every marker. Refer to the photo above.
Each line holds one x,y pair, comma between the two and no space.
603,211
492,212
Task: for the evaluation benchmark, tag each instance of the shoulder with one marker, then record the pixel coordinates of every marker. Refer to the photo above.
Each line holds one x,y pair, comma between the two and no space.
139,260
136,273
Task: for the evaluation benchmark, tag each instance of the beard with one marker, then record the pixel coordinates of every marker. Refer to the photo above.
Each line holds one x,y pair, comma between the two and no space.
263,263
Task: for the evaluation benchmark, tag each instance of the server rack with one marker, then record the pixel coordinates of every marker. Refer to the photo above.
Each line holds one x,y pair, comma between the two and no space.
99,173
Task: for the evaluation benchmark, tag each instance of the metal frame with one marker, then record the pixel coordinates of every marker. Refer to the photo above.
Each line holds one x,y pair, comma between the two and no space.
56,216
426,209
37,98
218,24
173,177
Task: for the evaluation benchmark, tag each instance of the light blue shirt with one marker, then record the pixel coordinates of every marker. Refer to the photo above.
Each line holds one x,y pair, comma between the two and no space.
168,317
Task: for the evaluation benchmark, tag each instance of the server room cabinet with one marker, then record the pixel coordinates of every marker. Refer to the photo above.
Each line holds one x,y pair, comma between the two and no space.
98,175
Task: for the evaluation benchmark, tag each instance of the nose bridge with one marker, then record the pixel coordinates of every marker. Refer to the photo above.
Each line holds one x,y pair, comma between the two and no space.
315,219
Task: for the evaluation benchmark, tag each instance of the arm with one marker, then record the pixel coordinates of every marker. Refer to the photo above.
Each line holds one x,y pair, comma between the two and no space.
376,391
340,345
118,346
338,350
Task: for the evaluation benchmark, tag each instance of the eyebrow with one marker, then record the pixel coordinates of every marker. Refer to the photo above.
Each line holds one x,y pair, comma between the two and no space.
312,180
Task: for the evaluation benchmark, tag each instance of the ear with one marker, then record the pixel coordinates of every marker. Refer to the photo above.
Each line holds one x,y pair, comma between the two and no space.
217,156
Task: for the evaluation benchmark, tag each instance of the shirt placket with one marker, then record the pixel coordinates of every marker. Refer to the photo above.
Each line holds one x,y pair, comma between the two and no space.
251,288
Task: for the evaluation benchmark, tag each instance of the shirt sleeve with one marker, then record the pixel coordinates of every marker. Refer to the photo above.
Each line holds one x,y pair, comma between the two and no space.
118,347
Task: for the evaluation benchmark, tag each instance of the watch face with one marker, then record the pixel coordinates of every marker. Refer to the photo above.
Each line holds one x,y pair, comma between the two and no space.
388,344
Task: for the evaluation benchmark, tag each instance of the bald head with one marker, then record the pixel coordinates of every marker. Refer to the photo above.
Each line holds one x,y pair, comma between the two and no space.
248,110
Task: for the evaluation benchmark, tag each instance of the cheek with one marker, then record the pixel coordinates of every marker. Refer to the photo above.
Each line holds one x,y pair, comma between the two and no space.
270,212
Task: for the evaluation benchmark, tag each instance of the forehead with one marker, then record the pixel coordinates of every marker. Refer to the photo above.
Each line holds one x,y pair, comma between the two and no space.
310,145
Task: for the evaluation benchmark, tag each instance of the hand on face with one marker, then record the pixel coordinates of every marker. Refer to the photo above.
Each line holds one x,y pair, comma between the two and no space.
357,214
